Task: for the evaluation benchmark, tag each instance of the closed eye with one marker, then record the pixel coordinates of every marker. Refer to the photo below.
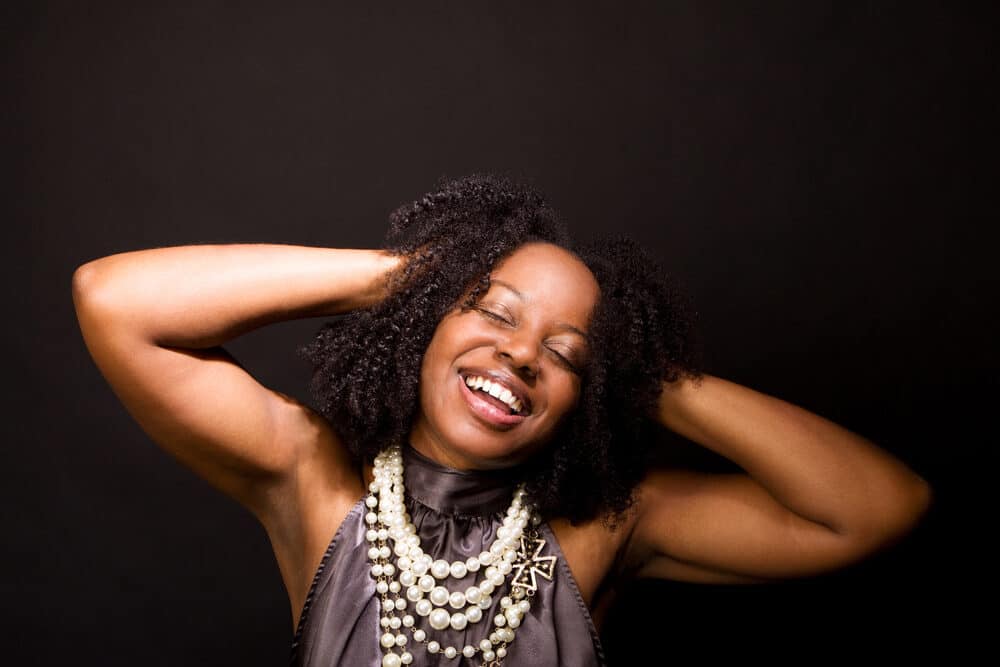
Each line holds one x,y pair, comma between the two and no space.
492,315
565,361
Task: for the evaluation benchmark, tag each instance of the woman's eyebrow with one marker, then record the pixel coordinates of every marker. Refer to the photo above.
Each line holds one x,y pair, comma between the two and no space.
560,325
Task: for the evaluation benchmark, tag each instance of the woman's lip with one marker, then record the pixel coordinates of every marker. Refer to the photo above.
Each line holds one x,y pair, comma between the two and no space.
486,410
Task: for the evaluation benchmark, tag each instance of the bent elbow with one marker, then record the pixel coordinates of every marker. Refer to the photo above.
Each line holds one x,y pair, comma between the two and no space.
899,518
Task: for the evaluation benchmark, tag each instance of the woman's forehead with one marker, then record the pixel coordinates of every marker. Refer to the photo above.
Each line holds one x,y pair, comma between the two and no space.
547,276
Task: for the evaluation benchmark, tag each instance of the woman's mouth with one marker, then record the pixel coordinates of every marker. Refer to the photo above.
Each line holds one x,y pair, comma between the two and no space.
487,408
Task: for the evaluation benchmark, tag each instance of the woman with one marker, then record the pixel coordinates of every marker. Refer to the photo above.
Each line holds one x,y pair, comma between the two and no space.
476,480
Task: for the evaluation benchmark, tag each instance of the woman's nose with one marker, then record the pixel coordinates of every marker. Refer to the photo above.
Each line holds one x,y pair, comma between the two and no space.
521,352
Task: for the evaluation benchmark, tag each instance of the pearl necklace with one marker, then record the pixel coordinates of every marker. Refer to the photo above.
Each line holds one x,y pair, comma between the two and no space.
513,551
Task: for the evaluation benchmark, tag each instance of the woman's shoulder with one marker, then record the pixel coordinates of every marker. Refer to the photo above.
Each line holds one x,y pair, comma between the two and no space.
594,549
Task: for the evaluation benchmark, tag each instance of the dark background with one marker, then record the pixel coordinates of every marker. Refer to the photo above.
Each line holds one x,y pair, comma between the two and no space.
814,173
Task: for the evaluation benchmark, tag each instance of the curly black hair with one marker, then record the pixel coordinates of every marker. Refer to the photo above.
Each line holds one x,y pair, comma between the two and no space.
641,334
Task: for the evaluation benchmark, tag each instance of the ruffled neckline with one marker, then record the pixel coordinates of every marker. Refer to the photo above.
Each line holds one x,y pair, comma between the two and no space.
457,492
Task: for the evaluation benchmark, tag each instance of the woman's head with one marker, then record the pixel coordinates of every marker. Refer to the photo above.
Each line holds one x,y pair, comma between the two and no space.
483,248
525,333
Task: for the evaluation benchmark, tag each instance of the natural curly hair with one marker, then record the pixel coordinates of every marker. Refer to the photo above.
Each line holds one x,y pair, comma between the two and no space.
641,334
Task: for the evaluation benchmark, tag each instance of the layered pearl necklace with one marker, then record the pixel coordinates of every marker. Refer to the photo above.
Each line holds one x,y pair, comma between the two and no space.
514,551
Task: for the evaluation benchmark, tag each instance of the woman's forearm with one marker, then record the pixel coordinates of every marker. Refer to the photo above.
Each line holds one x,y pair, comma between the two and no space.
199,296
813,466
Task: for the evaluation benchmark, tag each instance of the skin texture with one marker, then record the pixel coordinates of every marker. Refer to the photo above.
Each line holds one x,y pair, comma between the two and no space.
520,330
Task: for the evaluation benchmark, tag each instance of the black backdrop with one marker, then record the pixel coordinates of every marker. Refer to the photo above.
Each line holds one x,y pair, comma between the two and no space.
811,171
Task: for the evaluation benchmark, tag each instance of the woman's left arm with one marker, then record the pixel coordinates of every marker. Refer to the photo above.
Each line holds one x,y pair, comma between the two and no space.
814,497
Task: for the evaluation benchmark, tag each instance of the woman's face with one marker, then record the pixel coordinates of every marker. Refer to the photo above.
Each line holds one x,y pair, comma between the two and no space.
527,334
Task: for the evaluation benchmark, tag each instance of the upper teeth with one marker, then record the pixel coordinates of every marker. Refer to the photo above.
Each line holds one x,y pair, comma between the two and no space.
496,390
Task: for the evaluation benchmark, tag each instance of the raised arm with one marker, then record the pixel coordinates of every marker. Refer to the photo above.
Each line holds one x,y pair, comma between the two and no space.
815,496
154,322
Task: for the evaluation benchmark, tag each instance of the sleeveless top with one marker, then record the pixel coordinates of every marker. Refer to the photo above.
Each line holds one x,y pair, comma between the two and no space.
456,514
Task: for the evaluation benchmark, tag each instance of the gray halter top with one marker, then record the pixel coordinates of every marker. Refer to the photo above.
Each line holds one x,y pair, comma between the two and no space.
456,514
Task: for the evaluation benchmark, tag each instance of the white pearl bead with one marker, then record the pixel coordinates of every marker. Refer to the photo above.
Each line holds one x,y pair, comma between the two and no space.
485,558
394,586
439,596
406,658
388,640
413,594
489,656
501,652
400,604
419,635
456,600
440,619
450,652
473,614
472,564
459,621
408,621
458,569
394,623
500,620
371,535
419,567
400,640
440,569
433,647
473,594
524,606
423,607
469,651
381,587
391,660
426,583
407,578
504,567
486,644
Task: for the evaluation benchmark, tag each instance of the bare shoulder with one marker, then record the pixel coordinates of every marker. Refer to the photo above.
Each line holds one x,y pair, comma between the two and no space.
594,550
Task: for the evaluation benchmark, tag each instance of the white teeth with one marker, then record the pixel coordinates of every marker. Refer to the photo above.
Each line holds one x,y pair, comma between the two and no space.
496,390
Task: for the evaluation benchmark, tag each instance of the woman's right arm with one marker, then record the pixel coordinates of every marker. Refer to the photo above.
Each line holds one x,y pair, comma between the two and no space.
154,322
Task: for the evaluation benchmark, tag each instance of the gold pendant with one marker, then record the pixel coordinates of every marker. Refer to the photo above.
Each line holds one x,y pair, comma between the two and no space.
530,564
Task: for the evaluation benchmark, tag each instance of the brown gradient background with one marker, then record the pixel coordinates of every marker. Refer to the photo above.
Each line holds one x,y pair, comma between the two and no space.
814,173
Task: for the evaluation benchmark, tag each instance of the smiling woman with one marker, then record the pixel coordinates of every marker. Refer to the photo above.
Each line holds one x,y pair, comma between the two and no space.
477,471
